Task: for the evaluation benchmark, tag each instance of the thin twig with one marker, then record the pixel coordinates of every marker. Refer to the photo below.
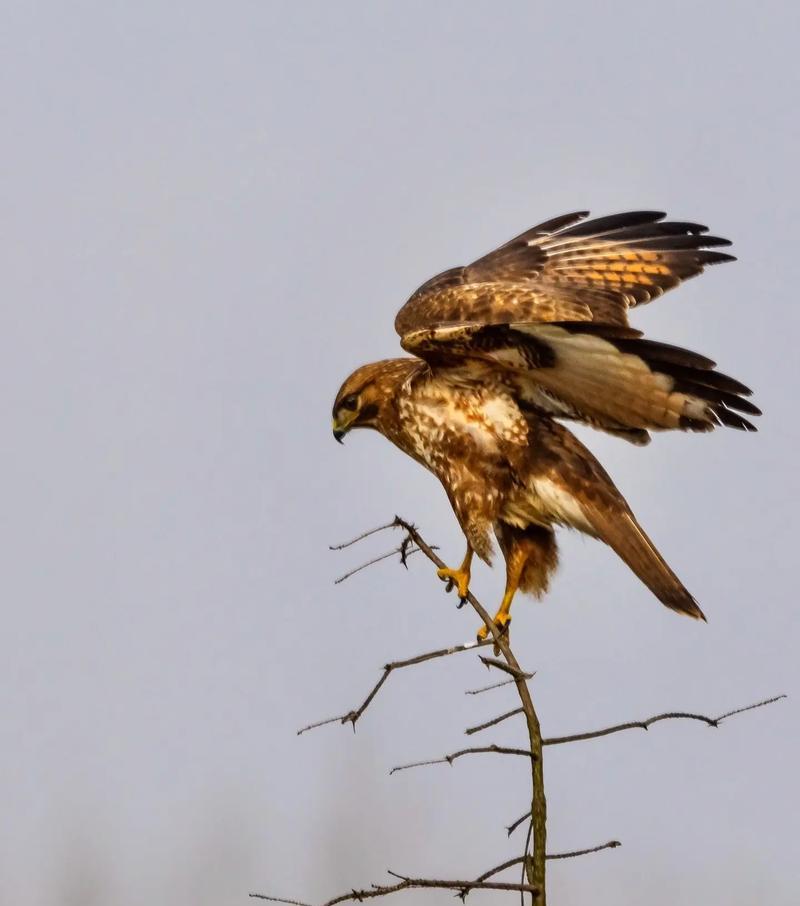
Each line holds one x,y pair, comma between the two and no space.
526,862
645,724
362,536
352,716
405,883
631,725
505,682
404,554
495,871
493,722
449,759
506,668
612,844
520,860
558,740
515,824
261,896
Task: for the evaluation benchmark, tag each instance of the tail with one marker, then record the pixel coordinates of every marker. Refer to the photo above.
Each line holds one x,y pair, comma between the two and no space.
623,534
573,489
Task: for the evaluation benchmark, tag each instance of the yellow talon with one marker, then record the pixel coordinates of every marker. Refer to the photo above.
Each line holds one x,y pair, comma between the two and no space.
458,577
455,577
502,621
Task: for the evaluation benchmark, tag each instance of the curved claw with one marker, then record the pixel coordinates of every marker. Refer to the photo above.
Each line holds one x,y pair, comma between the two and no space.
455,578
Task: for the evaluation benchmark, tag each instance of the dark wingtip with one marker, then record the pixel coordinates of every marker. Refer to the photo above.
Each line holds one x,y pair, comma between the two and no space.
719,257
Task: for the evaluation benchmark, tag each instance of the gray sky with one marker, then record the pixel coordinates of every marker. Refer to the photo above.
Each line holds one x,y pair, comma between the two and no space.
210,214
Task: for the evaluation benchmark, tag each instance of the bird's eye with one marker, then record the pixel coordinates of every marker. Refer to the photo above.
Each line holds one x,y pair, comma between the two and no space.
349,402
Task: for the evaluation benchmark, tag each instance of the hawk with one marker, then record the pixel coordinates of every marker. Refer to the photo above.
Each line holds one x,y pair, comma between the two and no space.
504,349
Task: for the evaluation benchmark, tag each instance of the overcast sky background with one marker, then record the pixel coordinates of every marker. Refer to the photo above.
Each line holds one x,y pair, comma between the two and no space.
210,214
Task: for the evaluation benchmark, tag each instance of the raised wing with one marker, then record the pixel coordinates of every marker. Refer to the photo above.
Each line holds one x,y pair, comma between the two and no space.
568,269
606,375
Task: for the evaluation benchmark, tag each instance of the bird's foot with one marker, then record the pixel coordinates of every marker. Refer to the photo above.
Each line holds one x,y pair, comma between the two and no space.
502,621
455,577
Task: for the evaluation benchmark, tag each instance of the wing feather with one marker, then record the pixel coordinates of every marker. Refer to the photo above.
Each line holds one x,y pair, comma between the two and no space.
608,376
604,266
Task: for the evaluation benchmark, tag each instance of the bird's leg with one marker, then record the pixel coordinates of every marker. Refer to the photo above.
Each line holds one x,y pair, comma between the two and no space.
458,577
515,563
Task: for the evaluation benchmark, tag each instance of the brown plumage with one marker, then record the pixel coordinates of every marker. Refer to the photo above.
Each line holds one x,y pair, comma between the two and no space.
534,331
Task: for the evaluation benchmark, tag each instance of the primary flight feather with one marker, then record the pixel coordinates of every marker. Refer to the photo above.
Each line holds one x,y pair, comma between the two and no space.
536,331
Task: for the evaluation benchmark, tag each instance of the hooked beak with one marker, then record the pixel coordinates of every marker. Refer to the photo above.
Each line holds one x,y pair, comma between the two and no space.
340,428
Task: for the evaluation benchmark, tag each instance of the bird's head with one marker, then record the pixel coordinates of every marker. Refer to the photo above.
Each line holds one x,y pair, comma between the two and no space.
365,397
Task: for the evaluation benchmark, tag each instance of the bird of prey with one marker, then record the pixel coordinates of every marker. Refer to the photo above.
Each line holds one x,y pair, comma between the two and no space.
533,333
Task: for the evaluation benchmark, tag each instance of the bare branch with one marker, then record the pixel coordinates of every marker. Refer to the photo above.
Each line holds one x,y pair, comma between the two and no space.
612,844
403,551
406,883
449,759
557,740
519,860
535,870
527,867
496,871
261,896
638,724
362,536
506,668
533,864
505,682
493,722
374,560
515,824
352,716
646,724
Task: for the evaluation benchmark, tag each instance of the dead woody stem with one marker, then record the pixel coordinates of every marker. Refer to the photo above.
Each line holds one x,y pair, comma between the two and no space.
536,869
533,861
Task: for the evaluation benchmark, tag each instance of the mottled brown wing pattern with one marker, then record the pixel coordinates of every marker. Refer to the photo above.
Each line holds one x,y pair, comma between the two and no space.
607,376
568,269
492,303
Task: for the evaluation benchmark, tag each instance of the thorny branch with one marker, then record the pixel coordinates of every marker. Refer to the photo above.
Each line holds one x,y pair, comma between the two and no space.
533,865
578,737
405,883
449,759
505,682
630,725
405,553
612,844
643,725
352,716
646,724
520,860
536,869
493,722
362,536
